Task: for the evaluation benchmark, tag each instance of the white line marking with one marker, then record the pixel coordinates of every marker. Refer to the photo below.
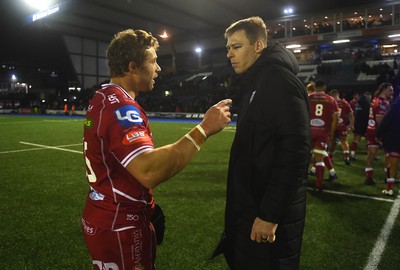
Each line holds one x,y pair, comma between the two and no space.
52,147
34,149
380,244
355,195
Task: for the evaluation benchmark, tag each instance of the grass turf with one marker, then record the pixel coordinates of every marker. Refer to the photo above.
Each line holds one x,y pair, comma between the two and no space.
43,193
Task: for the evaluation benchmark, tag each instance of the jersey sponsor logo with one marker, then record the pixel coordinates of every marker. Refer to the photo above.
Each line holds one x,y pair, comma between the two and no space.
383,106
135,136
88,123
87,228
316,122
128,116
137,248
371,123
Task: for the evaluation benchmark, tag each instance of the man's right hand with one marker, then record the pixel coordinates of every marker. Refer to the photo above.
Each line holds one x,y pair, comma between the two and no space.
217,117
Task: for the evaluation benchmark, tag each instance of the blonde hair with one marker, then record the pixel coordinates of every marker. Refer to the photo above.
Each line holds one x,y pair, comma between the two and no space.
129,46
254,28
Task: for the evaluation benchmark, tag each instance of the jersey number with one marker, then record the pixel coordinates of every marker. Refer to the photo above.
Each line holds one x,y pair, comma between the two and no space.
319,109
91,176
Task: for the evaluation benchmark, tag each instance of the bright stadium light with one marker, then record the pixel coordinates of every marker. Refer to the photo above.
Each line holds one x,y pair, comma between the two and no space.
164,35
39,4
288,11
198,50
341,41
394,35
293,46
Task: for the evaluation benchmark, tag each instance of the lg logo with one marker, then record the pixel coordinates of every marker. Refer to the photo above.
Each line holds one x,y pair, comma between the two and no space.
128,115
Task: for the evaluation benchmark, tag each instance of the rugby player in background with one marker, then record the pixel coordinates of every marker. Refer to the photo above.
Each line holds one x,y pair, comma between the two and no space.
345,123
122,164
379,105
324,113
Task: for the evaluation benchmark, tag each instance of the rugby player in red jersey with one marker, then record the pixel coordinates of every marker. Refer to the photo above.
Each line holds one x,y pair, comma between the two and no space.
379,105
345,122
324,113
122,163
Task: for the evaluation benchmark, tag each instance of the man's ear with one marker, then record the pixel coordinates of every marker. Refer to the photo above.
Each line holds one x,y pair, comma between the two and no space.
132,67
259,46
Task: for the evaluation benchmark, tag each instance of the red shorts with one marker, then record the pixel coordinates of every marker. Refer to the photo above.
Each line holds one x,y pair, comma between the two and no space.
133,248
342,132
371,140
319,140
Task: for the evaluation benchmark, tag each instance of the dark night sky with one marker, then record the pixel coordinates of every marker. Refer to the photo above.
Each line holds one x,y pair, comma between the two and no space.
22,45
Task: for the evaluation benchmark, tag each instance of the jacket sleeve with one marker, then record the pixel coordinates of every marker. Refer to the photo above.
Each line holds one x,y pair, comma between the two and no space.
385,122
292,147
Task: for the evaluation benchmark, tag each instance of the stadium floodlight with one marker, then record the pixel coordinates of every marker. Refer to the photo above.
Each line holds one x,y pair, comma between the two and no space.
198,50
13,78
288,10
341,41
164,35
39,4
293,46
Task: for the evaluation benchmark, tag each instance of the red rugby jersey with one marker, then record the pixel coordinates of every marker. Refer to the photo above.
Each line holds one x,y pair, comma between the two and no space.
345,110
116,130
322,106
378,107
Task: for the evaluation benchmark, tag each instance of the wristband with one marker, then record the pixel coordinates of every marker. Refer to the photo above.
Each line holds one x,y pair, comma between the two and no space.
193,141
201,129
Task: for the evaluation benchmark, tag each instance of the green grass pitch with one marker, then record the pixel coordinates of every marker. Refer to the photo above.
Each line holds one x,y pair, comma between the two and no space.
43,191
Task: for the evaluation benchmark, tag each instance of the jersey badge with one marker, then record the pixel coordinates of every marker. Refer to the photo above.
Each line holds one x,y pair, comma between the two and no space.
88,123
113,98
128,116
252,96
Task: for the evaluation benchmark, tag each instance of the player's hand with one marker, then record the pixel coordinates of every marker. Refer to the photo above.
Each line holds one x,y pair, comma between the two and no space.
263,231
217,117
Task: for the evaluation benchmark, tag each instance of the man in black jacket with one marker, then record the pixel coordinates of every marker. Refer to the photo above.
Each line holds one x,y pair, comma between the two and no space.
266,195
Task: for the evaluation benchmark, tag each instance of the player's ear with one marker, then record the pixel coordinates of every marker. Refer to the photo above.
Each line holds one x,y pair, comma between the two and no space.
259,46
132,67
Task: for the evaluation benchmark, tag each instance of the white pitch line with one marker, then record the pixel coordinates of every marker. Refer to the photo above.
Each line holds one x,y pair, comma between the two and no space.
34,149
52,147
356,195
380,244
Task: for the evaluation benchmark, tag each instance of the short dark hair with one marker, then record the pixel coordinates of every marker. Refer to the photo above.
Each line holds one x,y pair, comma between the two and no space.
254,28
382,87
128,46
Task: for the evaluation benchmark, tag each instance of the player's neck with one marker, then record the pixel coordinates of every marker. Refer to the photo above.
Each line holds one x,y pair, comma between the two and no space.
124,84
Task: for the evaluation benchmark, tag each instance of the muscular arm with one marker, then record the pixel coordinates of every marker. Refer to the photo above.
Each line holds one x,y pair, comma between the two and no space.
156,166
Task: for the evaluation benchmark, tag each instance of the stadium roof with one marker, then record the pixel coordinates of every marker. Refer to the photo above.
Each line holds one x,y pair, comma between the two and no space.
187,22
